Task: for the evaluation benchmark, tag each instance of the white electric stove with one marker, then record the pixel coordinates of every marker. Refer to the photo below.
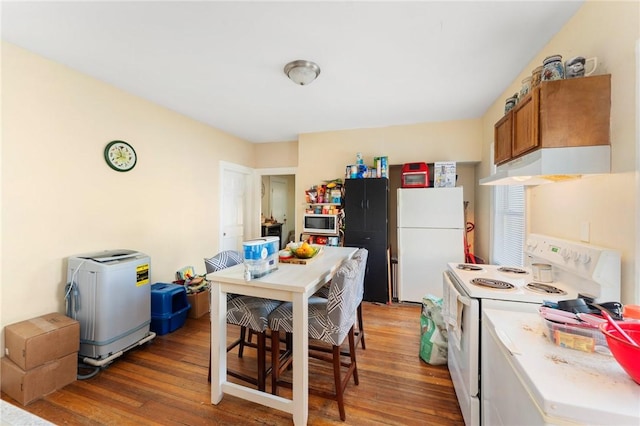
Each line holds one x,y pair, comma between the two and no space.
508,283
578,269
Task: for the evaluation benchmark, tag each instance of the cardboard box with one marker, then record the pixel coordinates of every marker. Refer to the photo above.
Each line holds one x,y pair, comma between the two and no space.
444,174
200,304
31,385
39,340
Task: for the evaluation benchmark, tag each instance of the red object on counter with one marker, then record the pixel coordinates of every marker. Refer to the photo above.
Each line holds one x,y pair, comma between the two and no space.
321,239
415,175
627,355
631,312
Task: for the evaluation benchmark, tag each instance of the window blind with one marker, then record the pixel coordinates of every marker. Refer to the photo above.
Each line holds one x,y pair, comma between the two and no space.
508,234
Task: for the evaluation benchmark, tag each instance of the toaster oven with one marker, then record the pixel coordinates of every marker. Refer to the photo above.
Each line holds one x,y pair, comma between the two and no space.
415,175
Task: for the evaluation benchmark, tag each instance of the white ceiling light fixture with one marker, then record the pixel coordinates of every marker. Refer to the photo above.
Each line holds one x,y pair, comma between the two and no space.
302,72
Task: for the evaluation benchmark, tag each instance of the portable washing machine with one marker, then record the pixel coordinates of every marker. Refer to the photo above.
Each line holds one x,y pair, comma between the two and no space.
109,294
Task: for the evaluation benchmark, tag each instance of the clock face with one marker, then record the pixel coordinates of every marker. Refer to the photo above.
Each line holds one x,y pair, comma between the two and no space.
120,156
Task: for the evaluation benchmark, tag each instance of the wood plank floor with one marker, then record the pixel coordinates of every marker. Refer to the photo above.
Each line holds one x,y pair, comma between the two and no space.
165,383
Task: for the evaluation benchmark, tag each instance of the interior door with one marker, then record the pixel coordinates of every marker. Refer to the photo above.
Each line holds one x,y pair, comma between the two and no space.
278,202
234,206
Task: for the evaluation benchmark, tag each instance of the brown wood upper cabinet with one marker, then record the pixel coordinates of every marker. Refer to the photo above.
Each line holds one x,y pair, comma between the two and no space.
560,113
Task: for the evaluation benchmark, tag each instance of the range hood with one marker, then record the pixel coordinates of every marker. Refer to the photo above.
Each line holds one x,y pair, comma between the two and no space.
547,165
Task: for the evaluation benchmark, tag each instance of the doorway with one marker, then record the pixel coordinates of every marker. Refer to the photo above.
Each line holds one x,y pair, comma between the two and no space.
277,199
235,205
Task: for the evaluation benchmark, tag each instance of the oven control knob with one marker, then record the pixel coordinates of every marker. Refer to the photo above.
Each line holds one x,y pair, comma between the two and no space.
565,254
532,244
575,256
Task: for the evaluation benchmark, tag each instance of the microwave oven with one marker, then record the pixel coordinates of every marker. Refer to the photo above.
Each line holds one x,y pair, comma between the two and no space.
320,224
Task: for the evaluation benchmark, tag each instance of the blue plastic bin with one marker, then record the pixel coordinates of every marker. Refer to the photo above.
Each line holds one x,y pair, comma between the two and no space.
169,307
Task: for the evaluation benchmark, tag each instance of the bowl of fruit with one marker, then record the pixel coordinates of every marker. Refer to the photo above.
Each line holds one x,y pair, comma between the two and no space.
304,250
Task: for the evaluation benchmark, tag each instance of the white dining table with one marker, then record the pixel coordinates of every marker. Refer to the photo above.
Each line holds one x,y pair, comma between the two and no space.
290,282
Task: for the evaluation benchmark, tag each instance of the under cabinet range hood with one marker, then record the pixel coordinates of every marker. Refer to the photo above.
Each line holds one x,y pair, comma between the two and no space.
547,165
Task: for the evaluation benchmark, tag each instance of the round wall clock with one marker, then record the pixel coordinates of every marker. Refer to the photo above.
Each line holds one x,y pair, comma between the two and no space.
120,156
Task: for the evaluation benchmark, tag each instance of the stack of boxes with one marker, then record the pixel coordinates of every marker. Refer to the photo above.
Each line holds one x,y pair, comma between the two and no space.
41,356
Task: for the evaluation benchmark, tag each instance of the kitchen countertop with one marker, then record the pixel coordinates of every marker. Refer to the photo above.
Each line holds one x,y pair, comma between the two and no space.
590,388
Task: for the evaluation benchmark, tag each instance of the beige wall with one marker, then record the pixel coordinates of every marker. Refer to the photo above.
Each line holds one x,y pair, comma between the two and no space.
276,154
59,198
324,156
607,203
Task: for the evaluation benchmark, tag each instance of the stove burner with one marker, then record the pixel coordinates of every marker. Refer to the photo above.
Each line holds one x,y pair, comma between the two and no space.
468,267
497,284
512,270
545,288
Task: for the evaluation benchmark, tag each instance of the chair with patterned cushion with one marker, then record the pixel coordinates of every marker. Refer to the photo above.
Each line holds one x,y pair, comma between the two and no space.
247,312
361,255
220,261
253,313
223,260
331,321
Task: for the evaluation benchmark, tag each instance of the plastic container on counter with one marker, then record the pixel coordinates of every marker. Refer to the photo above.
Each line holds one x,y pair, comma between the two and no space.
581,338
260,256
631,312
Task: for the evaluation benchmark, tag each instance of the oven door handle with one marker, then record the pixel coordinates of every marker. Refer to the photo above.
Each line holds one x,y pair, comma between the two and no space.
452,288
464,300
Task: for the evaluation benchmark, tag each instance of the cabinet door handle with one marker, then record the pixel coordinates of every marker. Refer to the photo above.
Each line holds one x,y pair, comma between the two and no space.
367,204
362,204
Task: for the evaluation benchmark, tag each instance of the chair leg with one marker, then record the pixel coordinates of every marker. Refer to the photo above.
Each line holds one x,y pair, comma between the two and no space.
275,360
360,327
352,355
262,378
338,382
243,333
289,347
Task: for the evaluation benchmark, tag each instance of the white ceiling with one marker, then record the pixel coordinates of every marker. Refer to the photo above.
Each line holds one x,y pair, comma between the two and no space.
383,63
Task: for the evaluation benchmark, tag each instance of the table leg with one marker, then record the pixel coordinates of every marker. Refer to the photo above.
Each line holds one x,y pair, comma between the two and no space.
300,358
218,342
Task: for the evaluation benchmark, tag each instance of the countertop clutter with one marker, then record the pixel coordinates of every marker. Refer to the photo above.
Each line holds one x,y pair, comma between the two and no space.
589,388
359,170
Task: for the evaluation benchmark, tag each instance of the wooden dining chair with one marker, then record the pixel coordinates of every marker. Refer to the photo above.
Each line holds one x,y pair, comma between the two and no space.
250,314
331,321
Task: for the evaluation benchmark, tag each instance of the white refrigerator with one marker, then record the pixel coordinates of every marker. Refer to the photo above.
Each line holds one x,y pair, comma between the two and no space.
430,235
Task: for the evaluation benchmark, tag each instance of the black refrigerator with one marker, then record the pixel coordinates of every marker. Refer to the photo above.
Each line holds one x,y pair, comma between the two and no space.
366,226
